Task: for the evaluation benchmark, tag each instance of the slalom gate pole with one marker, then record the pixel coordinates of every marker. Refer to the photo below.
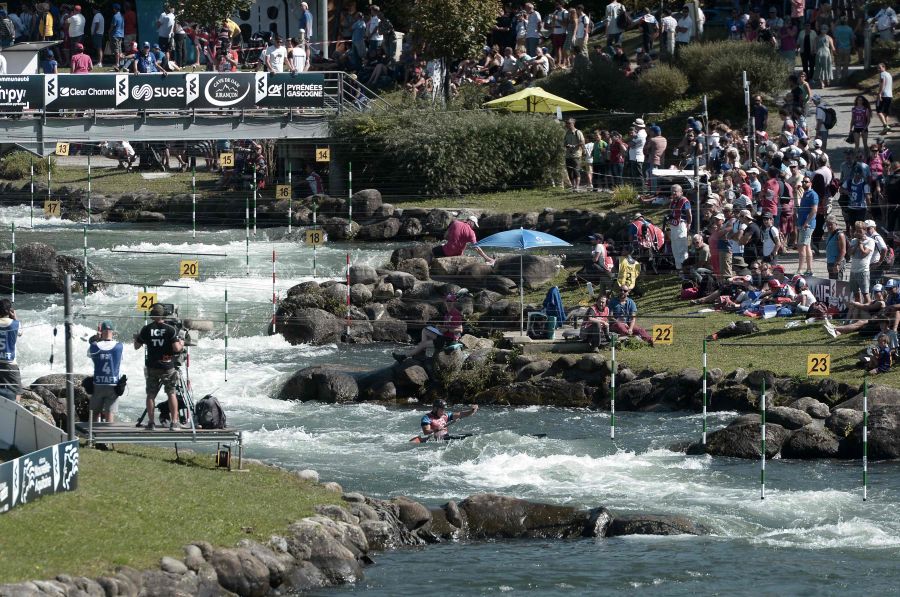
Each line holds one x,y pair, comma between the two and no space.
612,390
49,178
13,279
865,439
348,296
704,392
194,200
32,191
247,234
315,206
226,334
255,194
350,192
70,368
273,292
84,253
762,460
291,198
89,191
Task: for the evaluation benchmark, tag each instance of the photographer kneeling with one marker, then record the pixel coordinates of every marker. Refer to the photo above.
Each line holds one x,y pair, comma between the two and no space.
106,354
162,342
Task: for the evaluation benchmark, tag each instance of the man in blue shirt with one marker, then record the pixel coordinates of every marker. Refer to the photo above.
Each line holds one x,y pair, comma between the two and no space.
106,354
623,315
10,378
117,32
358,36
806,220
145,61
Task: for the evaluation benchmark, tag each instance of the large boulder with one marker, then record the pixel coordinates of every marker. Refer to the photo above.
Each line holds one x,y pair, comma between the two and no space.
239,571
388,329
366,202
360,294
437,221
490,516
809,442
744,441
731,396
39,269
308,325
878,396
883,435
363,274
550,391
416,314
649,524
418,251
52,391
536,270
410,378
631,395
842,421
812,407
383,230
317,539
789,418
416,266
321,384
452,266
336,293
401,280
340,229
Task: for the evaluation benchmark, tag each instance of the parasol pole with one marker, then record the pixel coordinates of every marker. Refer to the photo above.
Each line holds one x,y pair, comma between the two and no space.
521,297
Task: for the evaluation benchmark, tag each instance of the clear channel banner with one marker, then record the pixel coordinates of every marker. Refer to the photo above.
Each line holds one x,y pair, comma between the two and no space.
171,91
43,472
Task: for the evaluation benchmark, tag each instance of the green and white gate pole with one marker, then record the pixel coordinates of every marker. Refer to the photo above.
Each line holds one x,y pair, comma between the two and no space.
84,253
90,151
194,200
315,207
762,460
49,179
13,280
612,390
865,439
291,198
247,232
255,194
226,334
704,391
32,191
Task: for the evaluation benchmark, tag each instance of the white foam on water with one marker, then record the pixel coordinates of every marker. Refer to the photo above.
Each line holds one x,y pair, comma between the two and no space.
854,533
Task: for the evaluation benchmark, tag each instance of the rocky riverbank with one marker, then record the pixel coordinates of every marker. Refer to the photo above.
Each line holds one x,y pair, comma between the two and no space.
333,547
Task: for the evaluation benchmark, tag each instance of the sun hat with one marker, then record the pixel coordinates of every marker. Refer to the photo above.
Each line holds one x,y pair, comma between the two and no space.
473,219
638,122
753,171
719,217
869,224
638,215
744,213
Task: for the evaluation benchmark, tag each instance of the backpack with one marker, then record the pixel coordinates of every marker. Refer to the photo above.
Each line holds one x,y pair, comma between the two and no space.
830,118
386,28
208,413
622,20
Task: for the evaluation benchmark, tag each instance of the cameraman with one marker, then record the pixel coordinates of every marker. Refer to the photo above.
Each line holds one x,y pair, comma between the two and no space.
10,378
107,356
162,343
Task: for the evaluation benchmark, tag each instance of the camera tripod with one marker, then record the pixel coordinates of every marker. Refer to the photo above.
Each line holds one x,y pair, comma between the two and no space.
185,397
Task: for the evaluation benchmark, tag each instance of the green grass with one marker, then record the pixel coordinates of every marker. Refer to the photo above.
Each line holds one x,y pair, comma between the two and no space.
136,505
112,181
659,305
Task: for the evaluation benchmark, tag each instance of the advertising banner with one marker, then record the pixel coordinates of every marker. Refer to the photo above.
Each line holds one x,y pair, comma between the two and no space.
833,293
84,92
44,472
295,90
20,92
224,90
157,92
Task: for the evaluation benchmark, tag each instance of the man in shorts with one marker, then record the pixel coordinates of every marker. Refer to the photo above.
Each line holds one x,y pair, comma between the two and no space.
885,96
861,250
162,344
10,378
806,218
106,353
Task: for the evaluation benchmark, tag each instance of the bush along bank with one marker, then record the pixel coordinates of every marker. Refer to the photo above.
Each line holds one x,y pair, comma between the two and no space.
804,419
333,547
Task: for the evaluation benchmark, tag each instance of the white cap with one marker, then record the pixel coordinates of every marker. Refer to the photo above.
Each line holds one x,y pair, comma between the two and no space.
878,288
753,171
817,143
719,217
869,224
745,213
473,219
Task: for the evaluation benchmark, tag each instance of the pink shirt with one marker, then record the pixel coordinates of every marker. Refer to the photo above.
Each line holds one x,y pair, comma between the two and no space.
459,234
797,7
81,63
451,320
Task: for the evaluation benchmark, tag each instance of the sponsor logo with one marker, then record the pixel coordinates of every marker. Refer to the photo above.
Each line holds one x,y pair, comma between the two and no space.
11,96
4,492
89,92
147,92
70,466
295,90
224,91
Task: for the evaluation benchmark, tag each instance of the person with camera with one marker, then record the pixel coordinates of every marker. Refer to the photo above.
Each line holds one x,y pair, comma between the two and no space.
162,342
106,353
10,378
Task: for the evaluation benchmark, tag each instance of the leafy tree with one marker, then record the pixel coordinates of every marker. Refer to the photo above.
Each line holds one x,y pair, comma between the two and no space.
454,28
208,12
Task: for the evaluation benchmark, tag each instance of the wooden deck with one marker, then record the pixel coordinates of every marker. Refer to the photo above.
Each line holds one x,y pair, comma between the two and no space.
560,344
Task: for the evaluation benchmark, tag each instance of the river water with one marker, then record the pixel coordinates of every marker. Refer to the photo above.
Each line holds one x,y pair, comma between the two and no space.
812,535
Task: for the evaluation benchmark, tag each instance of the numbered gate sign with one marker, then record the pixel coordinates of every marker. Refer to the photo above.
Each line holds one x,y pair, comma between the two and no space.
323,154
52,208
145,301
226,159
62,148
283,191
818,364
315,237
663,334
189,268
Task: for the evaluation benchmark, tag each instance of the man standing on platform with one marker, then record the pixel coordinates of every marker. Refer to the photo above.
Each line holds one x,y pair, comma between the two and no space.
106,354
162,344
10,378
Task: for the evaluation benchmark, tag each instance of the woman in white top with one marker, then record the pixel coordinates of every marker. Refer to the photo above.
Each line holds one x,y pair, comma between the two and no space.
297,56
589,164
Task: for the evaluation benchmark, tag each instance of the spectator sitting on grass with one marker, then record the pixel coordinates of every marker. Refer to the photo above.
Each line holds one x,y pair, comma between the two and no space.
865,315
624,317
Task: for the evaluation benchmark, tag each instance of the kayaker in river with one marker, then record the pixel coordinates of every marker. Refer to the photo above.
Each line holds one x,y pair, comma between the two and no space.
435,422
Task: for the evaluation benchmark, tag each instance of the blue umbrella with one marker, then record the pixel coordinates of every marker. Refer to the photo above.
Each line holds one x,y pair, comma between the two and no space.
522,240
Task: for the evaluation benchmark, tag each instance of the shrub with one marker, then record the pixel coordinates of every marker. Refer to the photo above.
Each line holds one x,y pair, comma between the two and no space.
625,194
663,81
411,151
883,51
715,69
596,84
16,165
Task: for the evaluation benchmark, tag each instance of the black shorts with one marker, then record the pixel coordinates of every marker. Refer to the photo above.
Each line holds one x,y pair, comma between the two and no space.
884,106
572,164
438,250
165,45
10,381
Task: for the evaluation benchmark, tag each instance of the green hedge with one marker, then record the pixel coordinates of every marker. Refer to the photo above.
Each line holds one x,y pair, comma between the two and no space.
409,152
663,81
715,69
16,165
597,85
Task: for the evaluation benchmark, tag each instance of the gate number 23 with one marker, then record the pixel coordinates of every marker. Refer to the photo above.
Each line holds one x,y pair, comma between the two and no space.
818,364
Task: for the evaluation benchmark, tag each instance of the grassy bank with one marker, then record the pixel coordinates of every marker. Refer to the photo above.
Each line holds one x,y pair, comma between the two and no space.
776,348
137,504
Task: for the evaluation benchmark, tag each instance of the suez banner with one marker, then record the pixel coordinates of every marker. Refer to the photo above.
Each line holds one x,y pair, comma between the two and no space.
44,472
172,91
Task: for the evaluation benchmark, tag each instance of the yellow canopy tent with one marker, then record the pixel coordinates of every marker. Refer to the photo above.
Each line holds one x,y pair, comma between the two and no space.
534,99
